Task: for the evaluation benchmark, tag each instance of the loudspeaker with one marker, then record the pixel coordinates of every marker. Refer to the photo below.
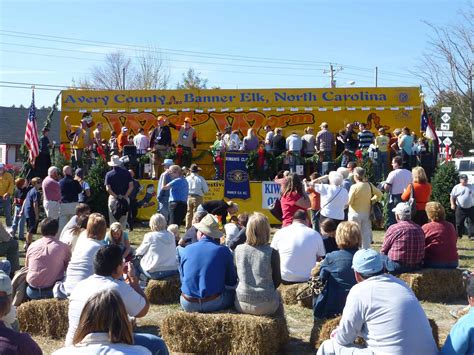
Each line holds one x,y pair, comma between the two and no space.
131,152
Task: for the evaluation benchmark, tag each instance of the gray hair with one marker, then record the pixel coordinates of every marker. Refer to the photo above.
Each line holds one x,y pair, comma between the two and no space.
158,222
344,172
335,178
52,170
359,173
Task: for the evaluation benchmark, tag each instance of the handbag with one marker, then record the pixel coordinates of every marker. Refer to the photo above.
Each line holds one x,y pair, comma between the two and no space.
276,210
376,210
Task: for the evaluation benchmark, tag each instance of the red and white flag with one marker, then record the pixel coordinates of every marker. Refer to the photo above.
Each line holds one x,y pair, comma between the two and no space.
31,133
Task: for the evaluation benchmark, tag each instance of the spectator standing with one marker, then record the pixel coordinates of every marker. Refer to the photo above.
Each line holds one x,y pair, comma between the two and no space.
31,209
70,190
404,243
258,270
113,144
108,275
315,200
8,249
268,137
220,209
336,270
164,195
47,260
278,142
19,196
366,138
197,189
421,193
340,144
85,194
207,272
43,160
391,320
293,198
250,141
351,144
294,144
141,142
361,197
7,186
334,198
133,210
187,139
122,139
217,151
382,143
234,142
157,251
324,142
11,341
179,191
462,202
405,142
226,137
309,142
300,247
160,143
52,193
119,185
440,239
397,181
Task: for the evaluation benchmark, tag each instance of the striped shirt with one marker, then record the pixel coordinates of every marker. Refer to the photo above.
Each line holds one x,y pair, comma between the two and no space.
366,138
404,243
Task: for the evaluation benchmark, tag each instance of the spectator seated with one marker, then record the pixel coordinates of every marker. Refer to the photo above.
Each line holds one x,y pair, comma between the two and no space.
435,285
224,332
48,318
164,291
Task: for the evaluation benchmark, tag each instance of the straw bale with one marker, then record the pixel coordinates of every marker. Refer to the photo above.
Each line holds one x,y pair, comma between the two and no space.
220,333
289,294
164,291
436,285
48,318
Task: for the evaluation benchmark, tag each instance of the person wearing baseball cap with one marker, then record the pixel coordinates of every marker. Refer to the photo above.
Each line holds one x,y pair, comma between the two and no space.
383,310
122,139
462,202
404,242
207,271
11,341
163,195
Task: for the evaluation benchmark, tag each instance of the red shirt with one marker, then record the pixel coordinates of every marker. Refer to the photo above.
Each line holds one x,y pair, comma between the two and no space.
289,207
422,194
440,242
404,242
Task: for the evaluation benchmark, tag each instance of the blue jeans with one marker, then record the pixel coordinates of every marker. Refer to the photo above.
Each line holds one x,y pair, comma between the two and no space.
382,164
7,210
163,208
396,268
39,294
154,343
393,200
19,223
6,267
224,301
157,275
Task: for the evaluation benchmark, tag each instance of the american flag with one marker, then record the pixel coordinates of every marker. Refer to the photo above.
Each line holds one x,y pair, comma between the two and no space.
31,133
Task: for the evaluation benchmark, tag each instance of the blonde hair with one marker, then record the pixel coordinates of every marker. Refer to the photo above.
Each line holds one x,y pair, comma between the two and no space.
258,229
348,235
419,175
175,169
158,222
174,229
116,227
435,211
105,312
96,226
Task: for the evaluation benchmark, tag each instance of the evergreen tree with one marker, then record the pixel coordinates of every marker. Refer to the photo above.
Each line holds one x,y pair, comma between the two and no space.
443,181
99,196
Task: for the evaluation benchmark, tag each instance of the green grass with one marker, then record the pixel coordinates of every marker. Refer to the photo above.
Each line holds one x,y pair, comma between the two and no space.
300,320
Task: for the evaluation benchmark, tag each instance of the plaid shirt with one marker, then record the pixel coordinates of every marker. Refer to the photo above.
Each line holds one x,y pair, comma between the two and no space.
404,243
324,141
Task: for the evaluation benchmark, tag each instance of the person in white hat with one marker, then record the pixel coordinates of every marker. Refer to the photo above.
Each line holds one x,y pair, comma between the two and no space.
383,311
163,195
119,185
207,271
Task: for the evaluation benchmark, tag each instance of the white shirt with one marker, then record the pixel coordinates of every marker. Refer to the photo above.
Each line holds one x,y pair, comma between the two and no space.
464,195
231,231
69,225
333,200
268,138
234,142
294,143
159,252
134,302
99,344
386,313
299,247
197,185
399,179
141,142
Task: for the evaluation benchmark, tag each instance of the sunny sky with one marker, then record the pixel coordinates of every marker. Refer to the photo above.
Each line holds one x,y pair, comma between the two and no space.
234,44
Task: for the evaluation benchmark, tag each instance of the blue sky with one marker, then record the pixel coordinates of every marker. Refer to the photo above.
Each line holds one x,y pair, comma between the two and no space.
358,35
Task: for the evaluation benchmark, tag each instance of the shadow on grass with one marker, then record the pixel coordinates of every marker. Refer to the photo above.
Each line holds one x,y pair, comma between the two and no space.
466,257
297,346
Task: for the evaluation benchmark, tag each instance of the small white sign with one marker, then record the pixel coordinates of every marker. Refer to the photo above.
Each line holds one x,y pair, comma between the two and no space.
445,126
448,134
446,109
439,133
270,193
447,141
300,170
445,118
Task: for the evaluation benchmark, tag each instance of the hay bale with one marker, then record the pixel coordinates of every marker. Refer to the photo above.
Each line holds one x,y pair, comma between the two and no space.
436,285
289,294
48,318
164,291
226,333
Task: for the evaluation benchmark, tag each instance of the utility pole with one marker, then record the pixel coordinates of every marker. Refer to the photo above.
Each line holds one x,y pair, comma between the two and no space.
123,77
332,73
376,76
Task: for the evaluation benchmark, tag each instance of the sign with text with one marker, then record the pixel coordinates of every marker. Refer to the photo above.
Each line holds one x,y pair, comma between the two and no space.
444,126
236,177
270,192
446,109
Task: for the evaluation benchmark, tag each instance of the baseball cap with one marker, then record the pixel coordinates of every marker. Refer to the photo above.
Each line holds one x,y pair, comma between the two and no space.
168,162
462,176
403,209
367,262
5,283
124,129
80,172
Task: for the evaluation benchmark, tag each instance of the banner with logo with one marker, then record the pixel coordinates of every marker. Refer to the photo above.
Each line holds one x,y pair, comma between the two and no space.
236,177
270,192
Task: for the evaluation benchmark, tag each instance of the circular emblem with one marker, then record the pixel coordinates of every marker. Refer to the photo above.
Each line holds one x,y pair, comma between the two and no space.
403,97
237,176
